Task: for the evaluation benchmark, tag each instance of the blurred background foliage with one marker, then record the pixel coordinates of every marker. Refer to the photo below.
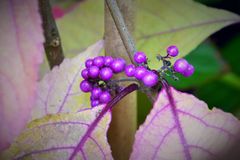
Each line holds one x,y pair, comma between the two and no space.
217,77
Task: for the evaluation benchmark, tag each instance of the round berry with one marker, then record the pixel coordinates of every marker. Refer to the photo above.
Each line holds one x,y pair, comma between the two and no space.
189,71
95,103
180,65
130,70
93,71
140,57
84,73
105,97
108,60
96,92
89,63
118,65
106,73
98,61
140,72
85,86
150,79
172,51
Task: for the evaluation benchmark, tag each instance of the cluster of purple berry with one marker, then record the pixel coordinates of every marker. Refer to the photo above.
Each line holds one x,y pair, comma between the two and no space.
97,73
181,65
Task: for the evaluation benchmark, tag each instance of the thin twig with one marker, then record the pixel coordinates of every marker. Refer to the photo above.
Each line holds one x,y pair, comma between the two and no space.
122,28
52,45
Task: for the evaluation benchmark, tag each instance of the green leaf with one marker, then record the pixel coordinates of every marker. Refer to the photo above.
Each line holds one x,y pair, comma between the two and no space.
159,23
55,137
207,65
185,23
224,93
231,53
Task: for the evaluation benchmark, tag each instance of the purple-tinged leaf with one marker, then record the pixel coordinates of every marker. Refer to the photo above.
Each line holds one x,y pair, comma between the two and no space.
20,55
58,91
182,127
55,137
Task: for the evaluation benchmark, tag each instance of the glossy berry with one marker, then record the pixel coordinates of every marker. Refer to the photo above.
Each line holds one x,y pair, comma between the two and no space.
118,65
108,60
172,51
98,61
84,73
96,92
89,63
180,65
189,71
140,57
130,70
105,97
93,71
106,73
150,79
140,72
95,103
85,86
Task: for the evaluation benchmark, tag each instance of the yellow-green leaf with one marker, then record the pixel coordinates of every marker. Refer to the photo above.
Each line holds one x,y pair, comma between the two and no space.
55,137
58,91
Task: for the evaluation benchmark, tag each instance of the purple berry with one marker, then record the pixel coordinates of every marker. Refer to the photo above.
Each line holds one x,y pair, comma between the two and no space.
172,51
95,103
96,92
93,71
140,72
85,86
189,71
98,61
130,70
150,79
89,63
84,73
105,97
106,73
140,57
108,60
118,65
180,65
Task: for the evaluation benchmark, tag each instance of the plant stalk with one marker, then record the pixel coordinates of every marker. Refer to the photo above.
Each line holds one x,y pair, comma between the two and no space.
52,45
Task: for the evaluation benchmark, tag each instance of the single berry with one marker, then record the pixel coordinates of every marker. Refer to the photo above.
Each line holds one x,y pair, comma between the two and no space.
98,61
172,51
140,57
105,97
93,71
140,72
108,60
130,70
118,65
180,65
95,103
150,79
96,92
106,73
89,63
189,71
85,86
84,73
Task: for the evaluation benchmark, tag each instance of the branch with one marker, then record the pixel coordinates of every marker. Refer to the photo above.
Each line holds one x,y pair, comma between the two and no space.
52,45
122,28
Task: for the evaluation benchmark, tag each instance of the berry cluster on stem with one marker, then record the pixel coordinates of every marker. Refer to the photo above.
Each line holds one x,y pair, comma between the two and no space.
99,71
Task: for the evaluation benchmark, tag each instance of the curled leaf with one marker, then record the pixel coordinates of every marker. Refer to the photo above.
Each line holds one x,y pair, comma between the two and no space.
20,55
182,127
58,91
55,137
